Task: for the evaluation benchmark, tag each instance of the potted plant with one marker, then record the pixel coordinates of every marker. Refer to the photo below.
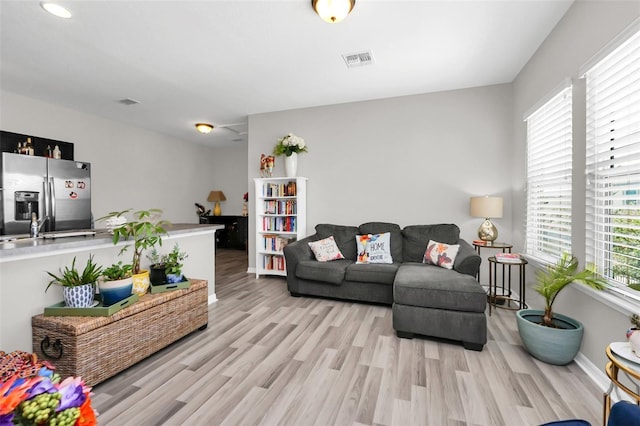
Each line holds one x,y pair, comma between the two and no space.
549,336
146,230
167,268
78,288
116,283
290,146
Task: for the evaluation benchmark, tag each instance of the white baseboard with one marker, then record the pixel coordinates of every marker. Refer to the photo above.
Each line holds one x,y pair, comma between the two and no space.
212,299
251,270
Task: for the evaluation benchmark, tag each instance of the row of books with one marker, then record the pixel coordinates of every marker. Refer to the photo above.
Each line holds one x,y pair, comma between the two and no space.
275,242
279,224
508,257
273,262
280,207
270,189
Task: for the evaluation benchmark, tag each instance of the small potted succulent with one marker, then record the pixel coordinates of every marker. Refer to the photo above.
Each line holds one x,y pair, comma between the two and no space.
146,230
78,288
167,268
116,283
633,336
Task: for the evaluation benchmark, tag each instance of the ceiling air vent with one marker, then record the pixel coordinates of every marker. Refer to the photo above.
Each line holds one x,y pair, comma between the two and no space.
358,59
128,101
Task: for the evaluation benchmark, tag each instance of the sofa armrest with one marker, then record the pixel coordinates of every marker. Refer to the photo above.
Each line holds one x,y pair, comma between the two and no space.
467,261
293,254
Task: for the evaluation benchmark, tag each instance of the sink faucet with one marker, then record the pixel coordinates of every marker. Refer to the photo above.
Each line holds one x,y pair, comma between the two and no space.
36,225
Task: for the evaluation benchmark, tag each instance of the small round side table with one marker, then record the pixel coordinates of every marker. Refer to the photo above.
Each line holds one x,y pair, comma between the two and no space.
632,372
493,284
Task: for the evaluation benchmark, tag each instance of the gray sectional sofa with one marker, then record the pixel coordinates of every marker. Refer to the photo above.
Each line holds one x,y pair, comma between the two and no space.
426,299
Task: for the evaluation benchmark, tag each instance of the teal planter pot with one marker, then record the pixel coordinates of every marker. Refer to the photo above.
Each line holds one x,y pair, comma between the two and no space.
557,346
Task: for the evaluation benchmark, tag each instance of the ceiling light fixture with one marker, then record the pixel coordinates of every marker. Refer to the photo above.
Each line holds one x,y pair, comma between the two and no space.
55,9
204,127
333,11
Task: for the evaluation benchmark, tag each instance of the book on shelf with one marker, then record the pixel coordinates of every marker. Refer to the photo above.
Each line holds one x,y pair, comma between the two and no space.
275,242
480,242
273,263
270,189
508,257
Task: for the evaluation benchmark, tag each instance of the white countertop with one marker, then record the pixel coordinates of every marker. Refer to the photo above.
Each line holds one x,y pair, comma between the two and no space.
36,247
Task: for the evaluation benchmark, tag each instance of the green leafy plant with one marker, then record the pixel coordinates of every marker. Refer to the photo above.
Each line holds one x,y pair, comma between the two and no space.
145,230
117,271
71,277
172,261
556,277
635,320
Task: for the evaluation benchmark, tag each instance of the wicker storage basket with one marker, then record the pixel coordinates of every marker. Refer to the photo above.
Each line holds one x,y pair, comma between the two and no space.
97,348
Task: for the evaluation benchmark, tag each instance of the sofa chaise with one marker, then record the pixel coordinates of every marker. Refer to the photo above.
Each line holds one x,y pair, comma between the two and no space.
426,299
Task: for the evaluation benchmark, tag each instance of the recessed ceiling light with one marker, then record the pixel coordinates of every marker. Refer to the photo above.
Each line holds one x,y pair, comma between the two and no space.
55,9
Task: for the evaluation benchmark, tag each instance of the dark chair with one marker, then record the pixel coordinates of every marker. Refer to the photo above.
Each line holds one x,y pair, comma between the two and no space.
624,413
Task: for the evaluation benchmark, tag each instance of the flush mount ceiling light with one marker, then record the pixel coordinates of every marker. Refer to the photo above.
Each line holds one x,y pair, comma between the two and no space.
333,11
204,127
55,9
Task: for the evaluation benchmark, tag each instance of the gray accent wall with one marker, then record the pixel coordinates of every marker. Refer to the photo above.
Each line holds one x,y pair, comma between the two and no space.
408,160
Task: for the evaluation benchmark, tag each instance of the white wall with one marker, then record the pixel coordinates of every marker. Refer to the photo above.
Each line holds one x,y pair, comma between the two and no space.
409,160
133,167
584,30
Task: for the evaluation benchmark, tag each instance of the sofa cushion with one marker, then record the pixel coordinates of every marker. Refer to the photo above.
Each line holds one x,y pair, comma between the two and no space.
393,229
373,248
325,250
416,237
441,254
327,272
381,273
430,286
345,237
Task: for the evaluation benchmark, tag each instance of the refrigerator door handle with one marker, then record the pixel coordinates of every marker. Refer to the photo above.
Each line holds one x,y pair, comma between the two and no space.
45,199
52,202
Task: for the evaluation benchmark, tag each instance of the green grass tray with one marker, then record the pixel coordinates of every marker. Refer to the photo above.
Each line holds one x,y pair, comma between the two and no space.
61,309
161,288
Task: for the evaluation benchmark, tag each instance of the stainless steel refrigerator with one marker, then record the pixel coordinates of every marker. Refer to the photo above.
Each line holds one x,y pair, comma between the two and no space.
59,190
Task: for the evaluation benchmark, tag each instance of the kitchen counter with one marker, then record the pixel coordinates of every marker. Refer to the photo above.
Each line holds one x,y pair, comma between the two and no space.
24,264
23,248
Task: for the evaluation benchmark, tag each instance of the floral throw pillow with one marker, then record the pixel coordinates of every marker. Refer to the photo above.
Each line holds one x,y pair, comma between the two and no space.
374,248
326,250
440,254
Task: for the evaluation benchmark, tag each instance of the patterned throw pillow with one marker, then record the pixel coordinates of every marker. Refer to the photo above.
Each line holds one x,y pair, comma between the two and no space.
326,250
440,254
374,248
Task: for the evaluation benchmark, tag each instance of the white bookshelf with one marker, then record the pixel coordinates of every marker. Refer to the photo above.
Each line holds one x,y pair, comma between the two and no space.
281,217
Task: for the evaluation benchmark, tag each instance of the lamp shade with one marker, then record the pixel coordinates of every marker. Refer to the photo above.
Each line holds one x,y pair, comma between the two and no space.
216,196
333,11
486,207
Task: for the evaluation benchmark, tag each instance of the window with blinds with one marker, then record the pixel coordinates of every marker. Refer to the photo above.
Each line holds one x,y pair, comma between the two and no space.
613,164
549,159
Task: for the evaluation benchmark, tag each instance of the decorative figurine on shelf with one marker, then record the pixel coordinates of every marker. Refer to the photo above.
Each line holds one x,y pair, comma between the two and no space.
245,208
267,162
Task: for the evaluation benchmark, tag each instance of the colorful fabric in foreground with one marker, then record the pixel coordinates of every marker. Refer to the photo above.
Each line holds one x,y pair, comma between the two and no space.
32,394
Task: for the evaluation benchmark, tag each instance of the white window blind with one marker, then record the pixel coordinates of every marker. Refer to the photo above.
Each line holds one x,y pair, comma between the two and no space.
613,163
548,220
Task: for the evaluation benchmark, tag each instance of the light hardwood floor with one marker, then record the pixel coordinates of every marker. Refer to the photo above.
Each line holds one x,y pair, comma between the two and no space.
268,358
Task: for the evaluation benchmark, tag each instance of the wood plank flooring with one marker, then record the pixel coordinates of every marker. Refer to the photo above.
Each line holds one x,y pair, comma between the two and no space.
271,359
